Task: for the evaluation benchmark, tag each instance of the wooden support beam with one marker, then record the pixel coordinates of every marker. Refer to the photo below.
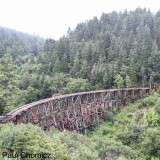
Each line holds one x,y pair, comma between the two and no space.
76,111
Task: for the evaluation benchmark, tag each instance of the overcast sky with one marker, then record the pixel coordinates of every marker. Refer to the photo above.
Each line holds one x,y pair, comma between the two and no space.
52,18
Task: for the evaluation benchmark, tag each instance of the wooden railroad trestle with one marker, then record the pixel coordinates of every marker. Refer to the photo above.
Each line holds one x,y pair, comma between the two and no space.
74,112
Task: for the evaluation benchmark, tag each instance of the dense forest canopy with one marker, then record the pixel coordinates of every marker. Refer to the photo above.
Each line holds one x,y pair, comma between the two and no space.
115,51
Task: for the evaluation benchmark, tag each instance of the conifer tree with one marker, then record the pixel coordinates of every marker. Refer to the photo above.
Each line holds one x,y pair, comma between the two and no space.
10,94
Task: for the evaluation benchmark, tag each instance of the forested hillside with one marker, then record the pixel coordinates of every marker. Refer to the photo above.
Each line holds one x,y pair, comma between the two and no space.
115,51
132,134
20,45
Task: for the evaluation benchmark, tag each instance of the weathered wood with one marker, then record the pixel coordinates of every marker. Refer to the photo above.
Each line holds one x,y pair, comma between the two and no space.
77,111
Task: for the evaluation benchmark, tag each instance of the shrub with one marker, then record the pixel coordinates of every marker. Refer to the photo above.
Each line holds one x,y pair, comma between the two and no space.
79,147
149,101
132,135
110,150
150,146
109,116
151,118
29,139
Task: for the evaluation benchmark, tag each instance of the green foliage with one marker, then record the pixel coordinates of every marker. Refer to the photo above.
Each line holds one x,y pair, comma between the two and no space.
151,118
120,137
111,150
29,139
103,53
76,85
79,146
132,135
19,45
130,128
119,81
32,94
128,82
150,146
109,116
10,95
149,101
157,104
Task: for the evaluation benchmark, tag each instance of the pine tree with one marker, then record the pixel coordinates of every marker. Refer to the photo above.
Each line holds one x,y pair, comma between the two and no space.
10,94
119,81
128,82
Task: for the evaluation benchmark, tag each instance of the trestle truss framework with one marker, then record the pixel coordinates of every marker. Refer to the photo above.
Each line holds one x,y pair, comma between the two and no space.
74,112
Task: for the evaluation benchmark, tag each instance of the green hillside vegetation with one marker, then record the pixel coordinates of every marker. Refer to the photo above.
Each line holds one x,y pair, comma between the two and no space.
117,50
20,45
132,133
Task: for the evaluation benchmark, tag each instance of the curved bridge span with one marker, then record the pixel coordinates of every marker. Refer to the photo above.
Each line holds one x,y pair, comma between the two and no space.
76,111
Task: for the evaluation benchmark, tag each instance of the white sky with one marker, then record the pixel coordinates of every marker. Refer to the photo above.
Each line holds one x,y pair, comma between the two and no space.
52,18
